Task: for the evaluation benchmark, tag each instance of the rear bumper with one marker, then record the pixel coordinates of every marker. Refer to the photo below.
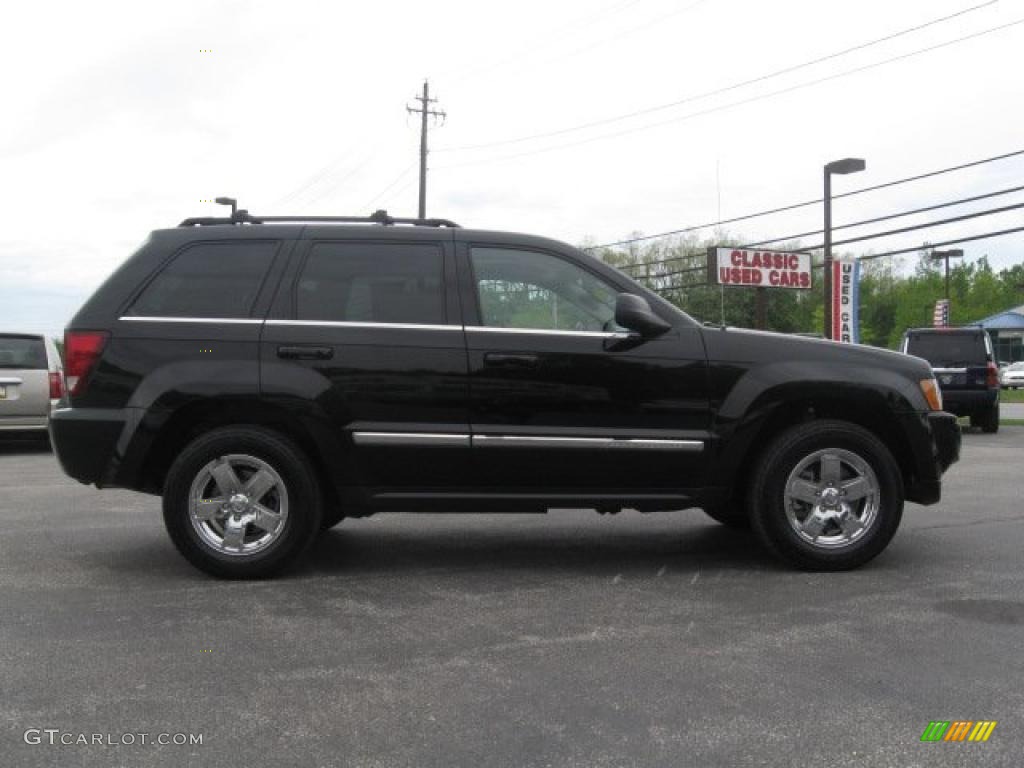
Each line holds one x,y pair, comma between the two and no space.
967,402
85,441
22,423
925,487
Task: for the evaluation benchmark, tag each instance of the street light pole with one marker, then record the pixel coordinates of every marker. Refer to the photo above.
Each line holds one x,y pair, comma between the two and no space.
954,253
827,276
844,166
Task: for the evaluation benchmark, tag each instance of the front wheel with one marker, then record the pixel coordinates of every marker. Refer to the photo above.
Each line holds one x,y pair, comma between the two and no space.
827,496
241,502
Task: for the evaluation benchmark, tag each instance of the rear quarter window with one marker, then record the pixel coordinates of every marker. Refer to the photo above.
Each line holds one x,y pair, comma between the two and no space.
22,352
215,280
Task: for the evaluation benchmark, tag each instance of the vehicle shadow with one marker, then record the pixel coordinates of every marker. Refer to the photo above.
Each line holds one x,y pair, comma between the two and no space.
24,444
586,550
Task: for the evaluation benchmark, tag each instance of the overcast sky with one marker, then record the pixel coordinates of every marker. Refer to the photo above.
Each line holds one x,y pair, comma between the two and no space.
117,121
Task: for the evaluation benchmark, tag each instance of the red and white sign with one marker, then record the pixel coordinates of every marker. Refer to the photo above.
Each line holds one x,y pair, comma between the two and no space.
759,269
846,300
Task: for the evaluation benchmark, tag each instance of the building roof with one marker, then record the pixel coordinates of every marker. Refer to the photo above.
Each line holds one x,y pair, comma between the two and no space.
1011,319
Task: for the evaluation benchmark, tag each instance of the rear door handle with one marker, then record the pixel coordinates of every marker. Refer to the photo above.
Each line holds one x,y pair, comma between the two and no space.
511,359
305,353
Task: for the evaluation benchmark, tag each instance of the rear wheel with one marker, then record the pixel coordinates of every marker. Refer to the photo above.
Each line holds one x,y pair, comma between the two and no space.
241,502
987,421
826,495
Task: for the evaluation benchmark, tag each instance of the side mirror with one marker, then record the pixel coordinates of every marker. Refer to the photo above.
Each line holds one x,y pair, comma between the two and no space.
634,313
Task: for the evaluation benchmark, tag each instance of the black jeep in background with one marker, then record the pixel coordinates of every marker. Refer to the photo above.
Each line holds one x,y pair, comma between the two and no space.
269,377
965,367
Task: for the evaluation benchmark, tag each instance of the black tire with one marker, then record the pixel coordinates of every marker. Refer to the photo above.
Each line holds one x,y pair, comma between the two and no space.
730,515
301,493
767,506
988,421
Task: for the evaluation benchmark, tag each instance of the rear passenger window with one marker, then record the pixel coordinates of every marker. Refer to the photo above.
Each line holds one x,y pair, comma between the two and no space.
218,280
22,352
372,282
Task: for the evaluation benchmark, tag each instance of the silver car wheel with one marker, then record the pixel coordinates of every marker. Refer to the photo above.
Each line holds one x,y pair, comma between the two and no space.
238,504
832,498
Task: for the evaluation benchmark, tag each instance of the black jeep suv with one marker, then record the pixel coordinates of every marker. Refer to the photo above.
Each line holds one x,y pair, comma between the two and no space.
269,377
965,366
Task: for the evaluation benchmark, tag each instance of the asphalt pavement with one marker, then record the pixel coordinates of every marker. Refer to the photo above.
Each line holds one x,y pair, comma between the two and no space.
510,640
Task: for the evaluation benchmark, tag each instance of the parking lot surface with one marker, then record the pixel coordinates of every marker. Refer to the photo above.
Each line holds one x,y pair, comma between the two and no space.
512,640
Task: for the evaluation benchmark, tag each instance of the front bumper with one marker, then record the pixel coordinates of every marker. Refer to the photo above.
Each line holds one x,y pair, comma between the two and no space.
925,487
946,435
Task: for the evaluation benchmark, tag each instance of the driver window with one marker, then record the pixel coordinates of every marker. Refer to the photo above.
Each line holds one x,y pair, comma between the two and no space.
529,289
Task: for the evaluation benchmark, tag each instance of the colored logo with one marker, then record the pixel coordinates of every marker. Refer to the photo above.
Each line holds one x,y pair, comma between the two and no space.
958,730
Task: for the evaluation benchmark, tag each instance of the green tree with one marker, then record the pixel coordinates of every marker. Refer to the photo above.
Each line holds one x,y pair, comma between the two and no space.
891,298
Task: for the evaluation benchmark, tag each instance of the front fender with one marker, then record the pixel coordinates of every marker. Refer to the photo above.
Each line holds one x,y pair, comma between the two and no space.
773,393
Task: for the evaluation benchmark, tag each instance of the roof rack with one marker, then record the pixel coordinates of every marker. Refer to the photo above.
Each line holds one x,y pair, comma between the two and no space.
244,217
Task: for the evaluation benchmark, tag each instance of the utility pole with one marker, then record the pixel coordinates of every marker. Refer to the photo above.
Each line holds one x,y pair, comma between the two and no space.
956,253
425,111
761,309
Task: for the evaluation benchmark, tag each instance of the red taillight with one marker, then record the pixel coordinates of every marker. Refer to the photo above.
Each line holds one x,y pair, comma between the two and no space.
81,351
56,385
993,376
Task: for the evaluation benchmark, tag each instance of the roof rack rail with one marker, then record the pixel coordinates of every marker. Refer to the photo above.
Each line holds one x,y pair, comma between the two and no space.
241,216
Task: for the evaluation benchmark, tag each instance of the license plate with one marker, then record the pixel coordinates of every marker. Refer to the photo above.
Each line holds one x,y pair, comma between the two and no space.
3,393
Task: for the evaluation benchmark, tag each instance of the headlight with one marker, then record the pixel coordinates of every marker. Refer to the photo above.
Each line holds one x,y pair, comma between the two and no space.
932,393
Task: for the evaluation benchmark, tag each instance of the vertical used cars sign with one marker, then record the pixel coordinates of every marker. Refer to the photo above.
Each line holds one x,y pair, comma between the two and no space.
846,300
758,268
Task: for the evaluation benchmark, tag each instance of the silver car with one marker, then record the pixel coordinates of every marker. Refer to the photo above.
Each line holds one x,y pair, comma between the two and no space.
31,381
1012,376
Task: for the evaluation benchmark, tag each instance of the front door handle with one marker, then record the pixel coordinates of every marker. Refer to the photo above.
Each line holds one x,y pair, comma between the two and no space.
305,353
511,359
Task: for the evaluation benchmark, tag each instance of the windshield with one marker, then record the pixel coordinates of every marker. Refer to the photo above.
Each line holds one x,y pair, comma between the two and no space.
947,349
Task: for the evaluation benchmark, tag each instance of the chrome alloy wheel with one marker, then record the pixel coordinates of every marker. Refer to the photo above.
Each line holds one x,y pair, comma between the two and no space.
832,498
238,504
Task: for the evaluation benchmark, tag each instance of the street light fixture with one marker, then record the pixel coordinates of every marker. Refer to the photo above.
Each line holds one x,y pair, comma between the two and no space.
844,166
953,253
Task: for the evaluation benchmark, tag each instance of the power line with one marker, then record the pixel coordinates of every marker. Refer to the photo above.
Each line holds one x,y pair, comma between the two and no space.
862,238
717,91
915,227
869,257
890,216
806,203
395,193
984,236
618,36
387,189
313,179
363,145
556,35
731,105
